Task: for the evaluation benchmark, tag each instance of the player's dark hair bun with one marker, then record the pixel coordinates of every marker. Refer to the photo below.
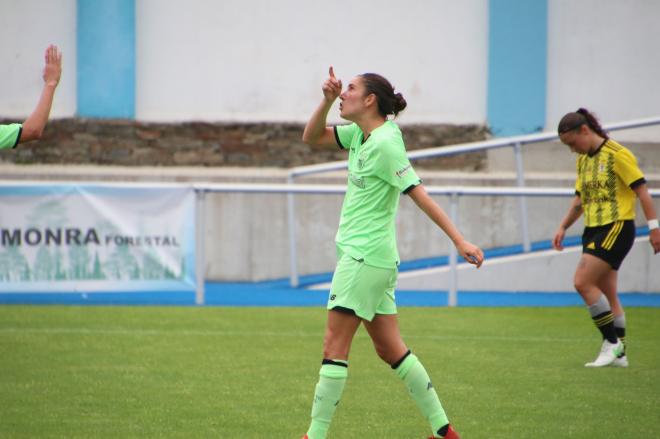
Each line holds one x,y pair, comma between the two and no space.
400,103
388,101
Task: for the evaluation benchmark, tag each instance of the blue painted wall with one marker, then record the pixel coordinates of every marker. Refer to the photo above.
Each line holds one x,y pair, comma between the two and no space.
517,66
106,58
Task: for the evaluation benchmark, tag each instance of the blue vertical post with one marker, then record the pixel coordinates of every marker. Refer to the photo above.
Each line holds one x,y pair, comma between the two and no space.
106,58
517,66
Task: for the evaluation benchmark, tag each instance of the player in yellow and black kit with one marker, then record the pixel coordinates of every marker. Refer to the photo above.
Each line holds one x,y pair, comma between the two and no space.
608,183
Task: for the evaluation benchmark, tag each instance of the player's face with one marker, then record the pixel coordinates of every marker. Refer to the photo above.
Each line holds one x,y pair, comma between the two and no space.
578,140
352,100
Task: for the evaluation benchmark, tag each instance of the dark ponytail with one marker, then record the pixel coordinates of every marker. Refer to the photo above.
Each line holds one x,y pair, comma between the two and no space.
388,101
399,103
573,121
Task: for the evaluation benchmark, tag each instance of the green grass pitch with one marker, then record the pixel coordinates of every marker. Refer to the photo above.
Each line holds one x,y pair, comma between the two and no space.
239,373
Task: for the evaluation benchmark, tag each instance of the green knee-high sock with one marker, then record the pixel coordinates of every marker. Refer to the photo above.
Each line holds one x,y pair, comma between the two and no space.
413,374
332,378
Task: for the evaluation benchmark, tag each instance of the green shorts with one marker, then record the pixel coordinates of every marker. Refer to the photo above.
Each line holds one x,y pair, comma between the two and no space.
362,289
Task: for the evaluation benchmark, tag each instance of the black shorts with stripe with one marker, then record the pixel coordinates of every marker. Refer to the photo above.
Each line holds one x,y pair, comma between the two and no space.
610,242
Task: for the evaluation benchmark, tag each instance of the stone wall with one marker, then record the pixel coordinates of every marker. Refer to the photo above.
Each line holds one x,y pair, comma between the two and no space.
131,143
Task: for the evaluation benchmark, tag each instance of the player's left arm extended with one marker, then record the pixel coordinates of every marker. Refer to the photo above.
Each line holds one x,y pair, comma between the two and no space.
650,214
469,251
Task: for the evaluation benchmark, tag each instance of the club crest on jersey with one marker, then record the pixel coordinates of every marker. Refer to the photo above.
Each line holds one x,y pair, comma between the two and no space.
601,167
361,160
357,181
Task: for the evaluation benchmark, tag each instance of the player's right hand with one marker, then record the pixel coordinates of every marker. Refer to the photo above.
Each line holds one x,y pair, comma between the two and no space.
557,241
471,253
331,87
53,65
654,240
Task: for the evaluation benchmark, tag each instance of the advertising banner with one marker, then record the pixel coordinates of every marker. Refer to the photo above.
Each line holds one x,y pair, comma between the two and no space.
96,238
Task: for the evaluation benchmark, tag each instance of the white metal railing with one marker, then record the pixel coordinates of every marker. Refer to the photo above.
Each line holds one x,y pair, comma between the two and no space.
515,142
453,192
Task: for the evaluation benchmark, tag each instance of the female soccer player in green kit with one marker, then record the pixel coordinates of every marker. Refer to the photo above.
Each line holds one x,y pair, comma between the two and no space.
608,183
363,284
13,134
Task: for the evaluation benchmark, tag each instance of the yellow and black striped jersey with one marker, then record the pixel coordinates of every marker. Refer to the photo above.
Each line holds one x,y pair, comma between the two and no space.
605,182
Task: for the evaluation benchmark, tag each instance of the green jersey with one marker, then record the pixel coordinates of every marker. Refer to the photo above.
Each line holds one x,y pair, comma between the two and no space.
9,135
378,171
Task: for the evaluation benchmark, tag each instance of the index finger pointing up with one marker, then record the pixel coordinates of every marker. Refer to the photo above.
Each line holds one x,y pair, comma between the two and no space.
331,71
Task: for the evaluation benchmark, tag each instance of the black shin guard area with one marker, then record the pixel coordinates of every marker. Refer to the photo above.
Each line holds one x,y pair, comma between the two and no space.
334,363
398,363
443,430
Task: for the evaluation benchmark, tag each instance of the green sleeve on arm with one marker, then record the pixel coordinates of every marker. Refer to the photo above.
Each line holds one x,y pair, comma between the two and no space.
10,135
344,134
395,168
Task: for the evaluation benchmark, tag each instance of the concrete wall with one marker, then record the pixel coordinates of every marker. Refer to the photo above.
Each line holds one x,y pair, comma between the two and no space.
247,235
556,157
249,232
256,60
27,27
548,271
600,56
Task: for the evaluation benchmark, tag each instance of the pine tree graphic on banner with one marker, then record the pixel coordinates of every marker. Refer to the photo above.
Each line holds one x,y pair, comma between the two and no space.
60,274
121,263
152,269
50,214
44,267
4,267
97,270
17,265
78,262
